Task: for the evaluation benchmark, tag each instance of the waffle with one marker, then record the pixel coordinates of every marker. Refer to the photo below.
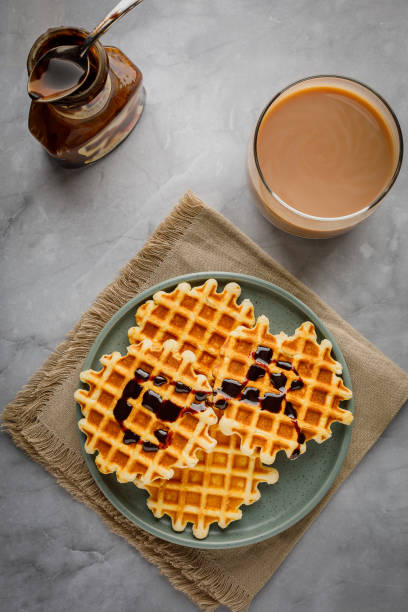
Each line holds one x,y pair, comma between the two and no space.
278,391
198,318
213,490
143,412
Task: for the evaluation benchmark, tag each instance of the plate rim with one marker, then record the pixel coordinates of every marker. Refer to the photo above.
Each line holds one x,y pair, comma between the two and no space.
184,538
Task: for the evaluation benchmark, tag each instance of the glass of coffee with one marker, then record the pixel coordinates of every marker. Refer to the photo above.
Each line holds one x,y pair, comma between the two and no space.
325,151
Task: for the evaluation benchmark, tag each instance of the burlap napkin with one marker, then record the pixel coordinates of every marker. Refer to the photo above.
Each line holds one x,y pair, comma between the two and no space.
41,419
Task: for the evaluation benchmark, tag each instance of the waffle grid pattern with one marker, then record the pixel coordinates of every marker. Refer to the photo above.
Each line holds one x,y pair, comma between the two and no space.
213,461
213,490
104,434
198,318
316,404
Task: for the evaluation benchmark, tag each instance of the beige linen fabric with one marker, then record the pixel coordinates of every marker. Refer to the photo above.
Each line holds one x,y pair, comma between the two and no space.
41,418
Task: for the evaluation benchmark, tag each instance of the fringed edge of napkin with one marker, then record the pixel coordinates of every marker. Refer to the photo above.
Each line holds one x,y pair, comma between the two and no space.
179,564
19,413
21,420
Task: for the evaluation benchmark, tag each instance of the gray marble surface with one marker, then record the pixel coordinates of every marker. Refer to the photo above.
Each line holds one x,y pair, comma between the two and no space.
209,68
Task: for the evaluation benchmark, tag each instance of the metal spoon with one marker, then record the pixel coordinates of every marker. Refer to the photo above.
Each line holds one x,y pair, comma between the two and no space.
62,70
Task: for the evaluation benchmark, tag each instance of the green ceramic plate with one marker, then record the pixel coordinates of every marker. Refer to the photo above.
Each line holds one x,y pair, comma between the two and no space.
302,483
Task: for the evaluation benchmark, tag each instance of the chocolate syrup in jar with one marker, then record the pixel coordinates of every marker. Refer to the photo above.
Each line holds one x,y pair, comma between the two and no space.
55,76
89,123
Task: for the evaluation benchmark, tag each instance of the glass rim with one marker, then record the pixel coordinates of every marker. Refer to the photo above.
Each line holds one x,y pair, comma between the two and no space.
379,198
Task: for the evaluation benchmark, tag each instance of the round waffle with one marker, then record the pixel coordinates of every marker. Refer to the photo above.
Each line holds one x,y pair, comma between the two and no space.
198,318
146,412
278,391
213,490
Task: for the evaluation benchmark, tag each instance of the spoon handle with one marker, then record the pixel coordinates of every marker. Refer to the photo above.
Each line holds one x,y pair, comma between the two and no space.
122,7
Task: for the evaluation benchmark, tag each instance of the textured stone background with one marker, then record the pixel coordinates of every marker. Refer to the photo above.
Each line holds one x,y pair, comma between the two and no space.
209,66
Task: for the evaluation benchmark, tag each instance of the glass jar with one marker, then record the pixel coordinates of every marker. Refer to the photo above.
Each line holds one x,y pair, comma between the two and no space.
89,123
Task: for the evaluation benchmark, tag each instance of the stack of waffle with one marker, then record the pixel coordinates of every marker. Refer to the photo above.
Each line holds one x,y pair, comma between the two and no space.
204,399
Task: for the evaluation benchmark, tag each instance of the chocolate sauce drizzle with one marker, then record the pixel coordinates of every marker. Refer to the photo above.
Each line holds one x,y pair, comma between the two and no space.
202,396
296,384
255,372
158,381
122,408
161,435
142,375
263,354
292,414
149,447
181,388
251,395
279,380
272,402
284,365
165,410
230,387
129,437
